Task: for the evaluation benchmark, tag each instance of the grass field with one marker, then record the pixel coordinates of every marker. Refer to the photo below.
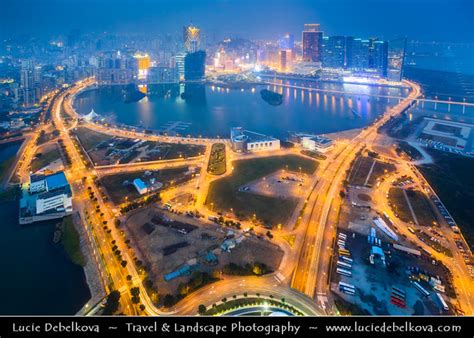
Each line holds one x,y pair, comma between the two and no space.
71,242
114,184
224,194
217,160
452,179
45,158
399,204
89,138
423,211
359,174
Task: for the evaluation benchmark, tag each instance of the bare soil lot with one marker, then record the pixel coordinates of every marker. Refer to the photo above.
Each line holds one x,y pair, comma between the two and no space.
165,249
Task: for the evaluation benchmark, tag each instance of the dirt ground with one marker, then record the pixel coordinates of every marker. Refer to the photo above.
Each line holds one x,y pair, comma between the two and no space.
206,237
288,185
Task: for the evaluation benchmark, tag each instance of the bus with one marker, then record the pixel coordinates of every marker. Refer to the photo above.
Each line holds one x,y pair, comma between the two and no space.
397,302
342,236
347,259
344,252
347,291
443,303
421,289
346,285
344,265
344,272
398,293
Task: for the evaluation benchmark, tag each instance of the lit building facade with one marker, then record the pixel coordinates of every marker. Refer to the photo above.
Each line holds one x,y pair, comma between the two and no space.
334,51
312,42
396,58
143,64
191,38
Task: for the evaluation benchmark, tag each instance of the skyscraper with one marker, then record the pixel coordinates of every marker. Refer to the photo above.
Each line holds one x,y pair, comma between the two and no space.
378,55
191,38
195,66
334,51
312,40
287,41
180,57
143,63
396,58
27,83
359,58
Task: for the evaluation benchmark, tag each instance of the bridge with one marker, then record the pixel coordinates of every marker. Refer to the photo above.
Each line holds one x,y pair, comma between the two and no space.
351,94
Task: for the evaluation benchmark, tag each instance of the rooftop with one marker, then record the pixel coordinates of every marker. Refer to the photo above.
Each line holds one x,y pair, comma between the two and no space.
57,180
239,134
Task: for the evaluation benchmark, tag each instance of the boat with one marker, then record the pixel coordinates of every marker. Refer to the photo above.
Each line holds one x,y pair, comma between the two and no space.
132,94
356,113
270,97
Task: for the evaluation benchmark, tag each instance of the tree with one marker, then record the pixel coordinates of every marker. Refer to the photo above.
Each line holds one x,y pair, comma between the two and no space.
117,222
142,307
168,300
202,309
123,263
112,303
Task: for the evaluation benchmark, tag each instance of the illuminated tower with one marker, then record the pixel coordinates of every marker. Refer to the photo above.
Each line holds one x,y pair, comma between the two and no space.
143,63
191,38
312,43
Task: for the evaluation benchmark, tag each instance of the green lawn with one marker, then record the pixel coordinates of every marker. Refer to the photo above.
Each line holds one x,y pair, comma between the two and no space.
118,191
217,160
399,204
224,193
89,138
45,158
72,242
452,178
422,208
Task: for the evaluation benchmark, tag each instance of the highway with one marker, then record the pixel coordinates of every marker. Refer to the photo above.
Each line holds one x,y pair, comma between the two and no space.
313,264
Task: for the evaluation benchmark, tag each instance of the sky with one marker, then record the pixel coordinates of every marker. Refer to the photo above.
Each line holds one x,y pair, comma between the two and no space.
425,20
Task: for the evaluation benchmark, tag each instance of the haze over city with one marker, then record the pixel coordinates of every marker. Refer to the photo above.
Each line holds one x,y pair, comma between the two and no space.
419,20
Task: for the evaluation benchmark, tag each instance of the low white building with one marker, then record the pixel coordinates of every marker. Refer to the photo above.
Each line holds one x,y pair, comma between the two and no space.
46,195
249,141
317,143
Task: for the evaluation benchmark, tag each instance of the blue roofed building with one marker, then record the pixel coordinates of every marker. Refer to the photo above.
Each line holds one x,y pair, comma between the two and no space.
140,186
45,197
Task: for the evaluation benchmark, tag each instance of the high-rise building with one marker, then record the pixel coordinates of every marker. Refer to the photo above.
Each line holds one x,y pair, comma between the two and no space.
334,48
312,40
191,38
287,41
396,58
143,64
162,75
284,54
116,68
27,83
378,56
179,60
195,66
359,58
